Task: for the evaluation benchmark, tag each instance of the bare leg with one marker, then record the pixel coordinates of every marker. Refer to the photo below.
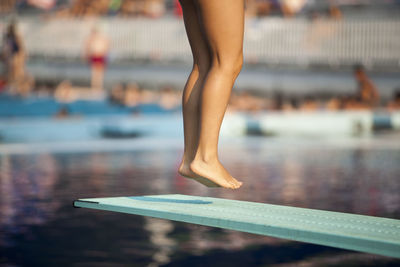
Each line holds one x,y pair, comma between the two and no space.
192,92
97,77
92,77
223,24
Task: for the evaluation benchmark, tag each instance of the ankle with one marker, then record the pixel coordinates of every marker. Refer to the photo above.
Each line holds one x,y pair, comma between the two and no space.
206,158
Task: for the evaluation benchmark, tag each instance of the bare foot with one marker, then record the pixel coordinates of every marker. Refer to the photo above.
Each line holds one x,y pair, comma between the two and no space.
213,173
185,171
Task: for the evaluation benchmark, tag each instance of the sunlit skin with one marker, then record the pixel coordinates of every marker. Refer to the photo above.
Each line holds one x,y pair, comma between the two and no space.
215,32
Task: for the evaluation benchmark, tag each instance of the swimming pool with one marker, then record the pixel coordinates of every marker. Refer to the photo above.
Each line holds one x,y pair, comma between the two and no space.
38,182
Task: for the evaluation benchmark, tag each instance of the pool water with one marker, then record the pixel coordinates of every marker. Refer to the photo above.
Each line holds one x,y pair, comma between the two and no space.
39,226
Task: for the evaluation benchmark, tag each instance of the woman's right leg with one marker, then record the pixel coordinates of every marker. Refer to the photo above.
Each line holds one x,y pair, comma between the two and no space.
192,91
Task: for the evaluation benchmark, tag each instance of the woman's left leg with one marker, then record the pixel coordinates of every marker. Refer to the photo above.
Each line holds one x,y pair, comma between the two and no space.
223,25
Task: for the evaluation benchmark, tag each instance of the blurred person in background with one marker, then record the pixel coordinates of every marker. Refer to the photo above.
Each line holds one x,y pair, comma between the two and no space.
245,102
7,6
148,96
81,8
286,8
132,95
3,82
367,93
154,8
96,51
278,101
354,103
129,8
117,94
65,93
169,99
310,103
215,31
255,8
334,10
114,7
394,104
291,7
291,104
13,55
62,113
334,104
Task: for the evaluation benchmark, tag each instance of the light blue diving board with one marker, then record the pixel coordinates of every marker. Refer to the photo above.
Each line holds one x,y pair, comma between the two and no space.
342,230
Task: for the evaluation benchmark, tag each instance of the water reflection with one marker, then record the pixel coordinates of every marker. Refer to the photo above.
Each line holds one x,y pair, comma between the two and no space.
27,189
159,230
37,218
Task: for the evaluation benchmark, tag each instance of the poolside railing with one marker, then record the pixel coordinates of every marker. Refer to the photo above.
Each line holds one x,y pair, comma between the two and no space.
275,41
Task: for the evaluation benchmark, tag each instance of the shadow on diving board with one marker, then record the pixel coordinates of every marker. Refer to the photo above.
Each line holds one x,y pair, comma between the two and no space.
342,230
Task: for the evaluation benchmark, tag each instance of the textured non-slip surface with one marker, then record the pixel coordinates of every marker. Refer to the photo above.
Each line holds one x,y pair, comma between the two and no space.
342,230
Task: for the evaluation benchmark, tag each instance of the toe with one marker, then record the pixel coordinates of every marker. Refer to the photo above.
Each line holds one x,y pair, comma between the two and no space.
235,185
232,185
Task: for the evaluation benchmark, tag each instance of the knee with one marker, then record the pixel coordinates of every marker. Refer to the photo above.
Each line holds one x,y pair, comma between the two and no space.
202,67
230,65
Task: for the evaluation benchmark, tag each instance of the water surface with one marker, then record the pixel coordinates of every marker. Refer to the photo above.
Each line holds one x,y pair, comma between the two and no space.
39,226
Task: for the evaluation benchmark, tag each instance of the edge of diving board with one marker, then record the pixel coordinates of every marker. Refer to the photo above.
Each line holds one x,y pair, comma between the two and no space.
342,230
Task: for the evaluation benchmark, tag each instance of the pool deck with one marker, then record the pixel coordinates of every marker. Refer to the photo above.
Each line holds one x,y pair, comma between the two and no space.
310,124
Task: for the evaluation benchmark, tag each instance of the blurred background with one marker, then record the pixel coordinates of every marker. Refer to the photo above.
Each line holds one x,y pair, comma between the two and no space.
90,106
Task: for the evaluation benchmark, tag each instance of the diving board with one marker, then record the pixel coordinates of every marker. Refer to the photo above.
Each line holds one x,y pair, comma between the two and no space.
342,230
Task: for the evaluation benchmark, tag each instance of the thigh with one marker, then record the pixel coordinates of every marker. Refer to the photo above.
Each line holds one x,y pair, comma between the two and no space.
223,25
196,37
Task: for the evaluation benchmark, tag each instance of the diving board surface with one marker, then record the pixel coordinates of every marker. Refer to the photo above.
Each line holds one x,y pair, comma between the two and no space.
342,230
